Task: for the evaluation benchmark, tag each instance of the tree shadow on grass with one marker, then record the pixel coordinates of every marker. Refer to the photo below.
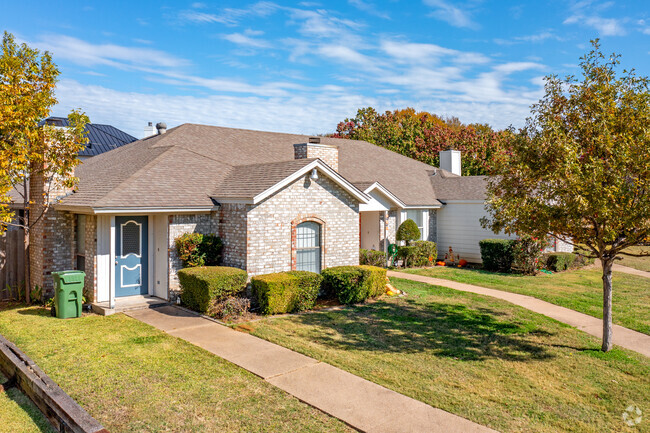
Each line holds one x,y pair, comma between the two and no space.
442,329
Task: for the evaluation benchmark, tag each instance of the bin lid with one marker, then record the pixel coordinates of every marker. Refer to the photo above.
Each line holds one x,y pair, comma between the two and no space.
70,276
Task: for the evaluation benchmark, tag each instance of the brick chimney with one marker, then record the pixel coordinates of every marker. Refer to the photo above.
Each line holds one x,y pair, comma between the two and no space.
314,149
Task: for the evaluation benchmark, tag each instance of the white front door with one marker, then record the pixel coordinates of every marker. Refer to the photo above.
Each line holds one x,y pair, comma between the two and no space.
369,227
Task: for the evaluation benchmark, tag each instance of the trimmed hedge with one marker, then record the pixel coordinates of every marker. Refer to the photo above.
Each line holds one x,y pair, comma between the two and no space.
372,258
557,262
202,285
408,231
424,250
353,284
418,253
497,254
286,292
197,249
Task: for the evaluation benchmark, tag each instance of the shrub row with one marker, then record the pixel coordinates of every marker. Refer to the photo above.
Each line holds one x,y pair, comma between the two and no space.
525,255
204,284
212,289
372,258
286,292
419,253
558,262
352,284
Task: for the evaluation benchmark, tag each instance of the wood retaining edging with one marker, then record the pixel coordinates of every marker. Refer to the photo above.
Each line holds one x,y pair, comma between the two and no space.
58,407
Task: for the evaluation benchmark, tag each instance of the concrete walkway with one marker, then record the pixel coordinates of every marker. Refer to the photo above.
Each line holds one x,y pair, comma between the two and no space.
631,271
361,404
623,337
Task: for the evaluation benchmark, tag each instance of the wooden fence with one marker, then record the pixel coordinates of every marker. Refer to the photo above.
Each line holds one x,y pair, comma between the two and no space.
12,263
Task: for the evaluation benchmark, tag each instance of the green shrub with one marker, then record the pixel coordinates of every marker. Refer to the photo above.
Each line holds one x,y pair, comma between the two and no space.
527,254
197,249
582,260
204,284
408,231
497,254
353,284
211,248
372,258
286,292
407,254
377,280
559,261
425,250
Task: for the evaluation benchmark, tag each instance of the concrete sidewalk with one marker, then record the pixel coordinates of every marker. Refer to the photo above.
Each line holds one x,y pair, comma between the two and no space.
361,404
623,337
631,271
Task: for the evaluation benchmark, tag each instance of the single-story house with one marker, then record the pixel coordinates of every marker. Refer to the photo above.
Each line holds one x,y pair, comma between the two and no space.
278,201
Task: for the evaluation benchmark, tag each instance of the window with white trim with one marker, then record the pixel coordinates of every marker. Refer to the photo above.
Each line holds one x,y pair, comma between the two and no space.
308,252
417,216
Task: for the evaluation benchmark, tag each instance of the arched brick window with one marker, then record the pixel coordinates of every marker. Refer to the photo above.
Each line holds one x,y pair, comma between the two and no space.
307,239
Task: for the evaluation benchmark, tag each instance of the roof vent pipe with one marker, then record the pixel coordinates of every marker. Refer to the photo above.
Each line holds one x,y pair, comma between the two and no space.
161,127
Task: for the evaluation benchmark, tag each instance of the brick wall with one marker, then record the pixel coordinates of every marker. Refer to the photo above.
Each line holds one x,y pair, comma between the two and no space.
391,228
90,253
181,224
233,232
270,225
328,154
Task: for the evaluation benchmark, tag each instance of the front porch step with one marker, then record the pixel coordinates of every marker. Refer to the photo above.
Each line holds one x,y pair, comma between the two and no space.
130,303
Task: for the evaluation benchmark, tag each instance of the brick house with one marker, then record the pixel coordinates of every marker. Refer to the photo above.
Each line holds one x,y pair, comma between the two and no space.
278,201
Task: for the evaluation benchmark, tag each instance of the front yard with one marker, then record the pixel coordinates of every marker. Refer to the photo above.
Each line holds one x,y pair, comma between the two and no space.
134,378
19,414
486,360
580,290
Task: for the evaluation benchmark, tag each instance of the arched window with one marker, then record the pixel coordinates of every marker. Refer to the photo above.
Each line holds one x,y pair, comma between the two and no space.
308,247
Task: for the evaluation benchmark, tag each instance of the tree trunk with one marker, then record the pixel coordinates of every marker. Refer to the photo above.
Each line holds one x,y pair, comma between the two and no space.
607,304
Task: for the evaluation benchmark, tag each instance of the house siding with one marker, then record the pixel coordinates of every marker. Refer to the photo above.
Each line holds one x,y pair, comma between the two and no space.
270,223
459,227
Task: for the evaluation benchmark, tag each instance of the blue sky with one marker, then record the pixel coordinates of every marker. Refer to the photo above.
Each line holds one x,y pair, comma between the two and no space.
302,67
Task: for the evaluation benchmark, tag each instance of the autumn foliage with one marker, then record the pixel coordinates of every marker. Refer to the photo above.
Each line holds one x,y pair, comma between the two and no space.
422,135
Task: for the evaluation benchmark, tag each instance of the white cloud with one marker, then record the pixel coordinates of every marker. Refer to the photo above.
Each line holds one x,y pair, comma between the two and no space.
453,15
604,26
246,41
87,54
417,53
229,16
369,8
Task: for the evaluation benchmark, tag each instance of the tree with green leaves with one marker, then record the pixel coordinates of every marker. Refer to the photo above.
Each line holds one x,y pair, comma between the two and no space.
580,168
408,231
29,150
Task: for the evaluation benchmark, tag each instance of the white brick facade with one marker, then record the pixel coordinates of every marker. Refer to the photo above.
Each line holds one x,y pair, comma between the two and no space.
270,225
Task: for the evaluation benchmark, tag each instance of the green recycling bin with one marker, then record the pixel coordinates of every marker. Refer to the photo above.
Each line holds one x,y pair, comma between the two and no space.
68,291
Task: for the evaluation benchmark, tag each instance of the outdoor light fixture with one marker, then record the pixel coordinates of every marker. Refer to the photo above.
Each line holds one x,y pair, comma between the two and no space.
314,174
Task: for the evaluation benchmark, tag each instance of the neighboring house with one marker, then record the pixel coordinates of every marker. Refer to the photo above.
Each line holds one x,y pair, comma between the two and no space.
278,201
101,138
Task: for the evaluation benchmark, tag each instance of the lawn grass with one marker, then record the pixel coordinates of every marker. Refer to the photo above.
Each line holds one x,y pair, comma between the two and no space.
133,378
484,359
640,263
19,414
580,290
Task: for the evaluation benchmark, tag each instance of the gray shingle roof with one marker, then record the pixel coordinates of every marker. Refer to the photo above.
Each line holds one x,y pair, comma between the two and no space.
191,163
